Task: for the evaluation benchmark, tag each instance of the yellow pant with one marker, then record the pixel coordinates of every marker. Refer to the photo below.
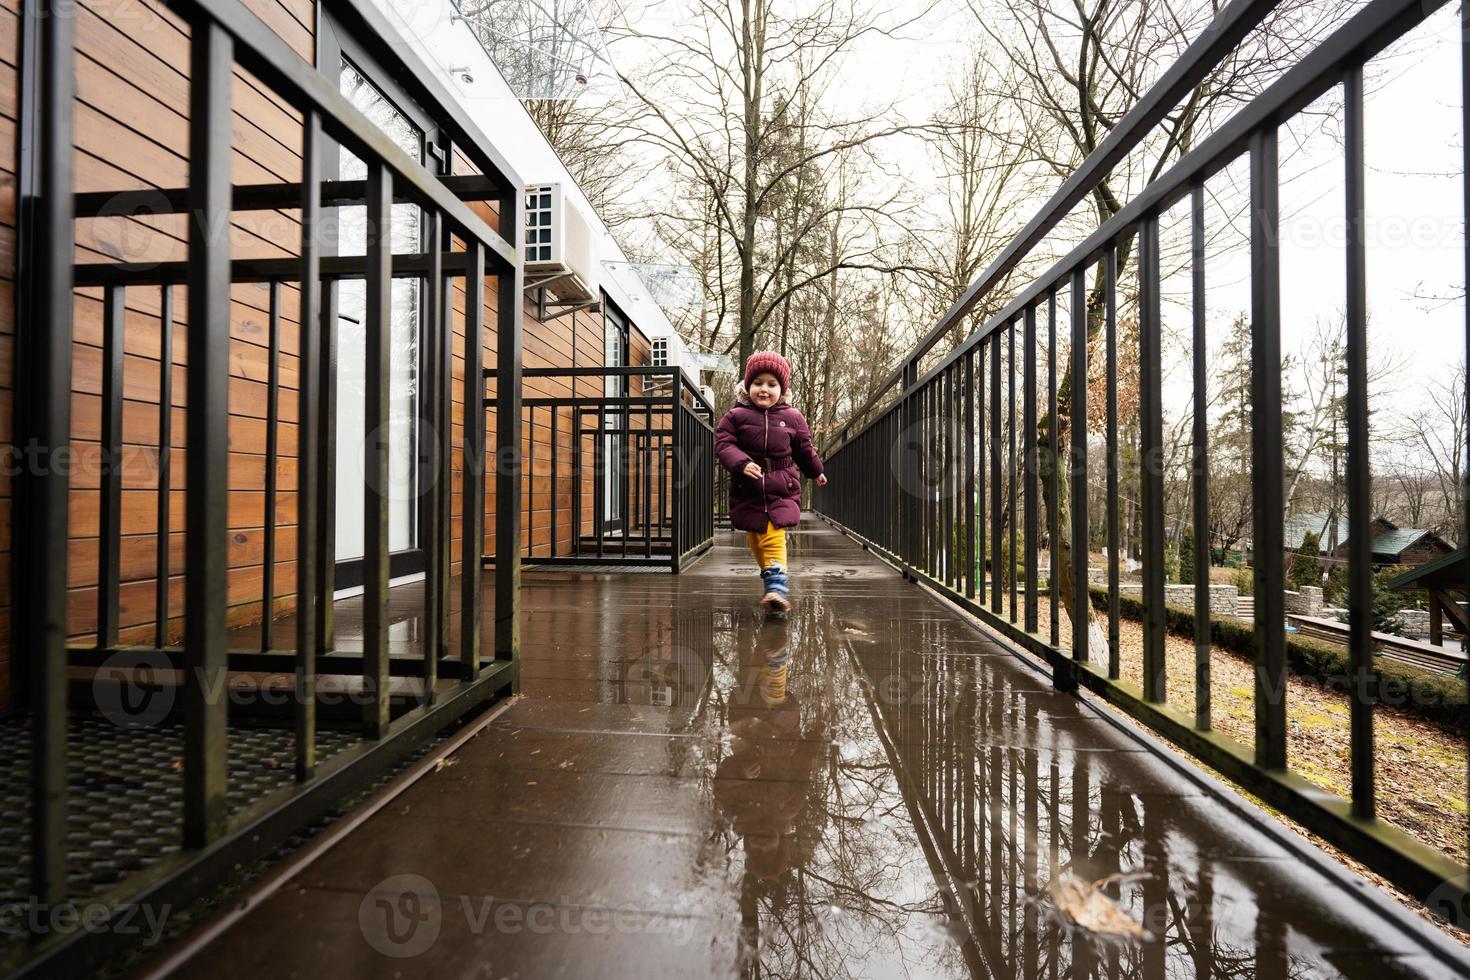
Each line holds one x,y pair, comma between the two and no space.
768,546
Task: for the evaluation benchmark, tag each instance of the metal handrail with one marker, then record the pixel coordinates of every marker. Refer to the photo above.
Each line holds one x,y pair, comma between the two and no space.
1201,57
224,36
934,525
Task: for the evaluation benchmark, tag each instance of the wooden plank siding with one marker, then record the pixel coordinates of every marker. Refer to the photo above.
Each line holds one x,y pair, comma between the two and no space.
131,134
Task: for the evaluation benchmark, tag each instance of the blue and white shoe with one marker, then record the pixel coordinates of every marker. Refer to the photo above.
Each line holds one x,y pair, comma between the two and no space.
778,589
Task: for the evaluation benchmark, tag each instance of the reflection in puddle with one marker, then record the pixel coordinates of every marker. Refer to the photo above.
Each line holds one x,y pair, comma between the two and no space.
897,813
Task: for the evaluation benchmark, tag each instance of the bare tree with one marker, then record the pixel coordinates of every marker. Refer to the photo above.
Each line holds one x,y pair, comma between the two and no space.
1074,71
1439,432
549,52
740,81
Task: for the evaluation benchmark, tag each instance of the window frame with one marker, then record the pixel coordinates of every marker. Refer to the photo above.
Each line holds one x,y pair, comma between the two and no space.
335,42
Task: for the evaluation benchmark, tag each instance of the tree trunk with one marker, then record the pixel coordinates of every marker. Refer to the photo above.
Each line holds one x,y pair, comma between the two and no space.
753,31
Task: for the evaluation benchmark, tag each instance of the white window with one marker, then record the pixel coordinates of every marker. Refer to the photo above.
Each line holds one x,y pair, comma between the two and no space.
661,352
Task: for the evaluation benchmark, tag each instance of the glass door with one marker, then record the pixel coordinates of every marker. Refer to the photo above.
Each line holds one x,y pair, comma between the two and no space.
402,123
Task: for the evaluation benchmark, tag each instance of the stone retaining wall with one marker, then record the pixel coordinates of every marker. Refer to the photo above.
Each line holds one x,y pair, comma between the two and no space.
1224,599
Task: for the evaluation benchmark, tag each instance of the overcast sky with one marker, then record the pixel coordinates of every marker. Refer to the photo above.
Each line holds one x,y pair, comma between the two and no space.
1415,255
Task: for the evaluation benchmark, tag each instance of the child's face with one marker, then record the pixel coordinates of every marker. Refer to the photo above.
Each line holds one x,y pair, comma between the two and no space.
765,390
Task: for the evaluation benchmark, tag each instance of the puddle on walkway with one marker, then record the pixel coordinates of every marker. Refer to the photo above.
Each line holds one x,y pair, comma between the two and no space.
899,797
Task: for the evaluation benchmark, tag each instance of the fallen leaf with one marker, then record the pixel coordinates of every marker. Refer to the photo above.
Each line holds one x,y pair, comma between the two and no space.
1087,907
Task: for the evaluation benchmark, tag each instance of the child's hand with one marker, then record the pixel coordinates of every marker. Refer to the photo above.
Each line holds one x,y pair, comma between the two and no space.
752,470
822,479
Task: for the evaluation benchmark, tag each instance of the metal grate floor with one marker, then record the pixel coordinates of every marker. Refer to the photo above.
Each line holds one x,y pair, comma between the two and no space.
126,795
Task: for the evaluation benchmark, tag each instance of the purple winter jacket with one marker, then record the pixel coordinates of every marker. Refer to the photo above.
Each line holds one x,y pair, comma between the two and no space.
776,439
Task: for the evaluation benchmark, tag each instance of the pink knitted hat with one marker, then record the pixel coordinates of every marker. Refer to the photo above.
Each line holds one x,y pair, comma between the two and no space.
768,362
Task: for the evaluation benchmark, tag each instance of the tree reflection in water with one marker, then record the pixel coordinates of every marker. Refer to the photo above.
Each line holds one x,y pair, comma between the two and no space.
892,809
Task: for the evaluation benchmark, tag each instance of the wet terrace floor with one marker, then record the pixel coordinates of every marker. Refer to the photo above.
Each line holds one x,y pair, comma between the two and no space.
870,788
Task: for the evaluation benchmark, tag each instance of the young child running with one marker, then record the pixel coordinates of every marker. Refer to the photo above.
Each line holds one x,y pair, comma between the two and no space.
763,440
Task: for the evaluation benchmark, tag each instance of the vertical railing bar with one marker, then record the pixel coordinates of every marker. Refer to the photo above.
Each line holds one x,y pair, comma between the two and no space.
1028,421
1267,462
625,481
946,437
1053,436
645,465
968,484
308,506
433,384
915,461
472,488
676,537
1359,467
933,398
379,350
907,464
1200,462
165,462
207,437
921,464
326,468
272,456
957,478
109,517
530,483
938,397
1111,328
997,595
555,431
48,410
1151,477
601,453
577,465
444,432
981,520
508,442
1077,467
913,551
1012,477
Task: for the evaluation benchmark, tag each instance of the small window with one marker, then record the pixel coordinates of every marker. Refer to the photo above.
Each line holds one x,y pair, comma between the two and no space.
661,352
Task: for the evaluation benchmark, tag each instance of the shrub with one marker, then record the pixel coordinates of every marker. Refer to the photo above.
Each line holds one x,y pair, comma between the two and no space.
1386,604
1244,579
1306,566
1334,590
1436,698
1186,557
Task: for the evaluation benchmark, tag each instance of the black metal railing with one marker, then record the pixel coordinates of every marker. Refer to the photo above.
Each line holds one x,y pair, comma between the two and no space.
910,477
722,498
614,479
219,835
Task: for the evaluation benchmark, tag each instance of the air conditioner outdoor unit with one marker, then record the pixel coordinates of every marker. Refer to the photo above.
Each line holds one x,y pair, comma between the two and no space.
560,250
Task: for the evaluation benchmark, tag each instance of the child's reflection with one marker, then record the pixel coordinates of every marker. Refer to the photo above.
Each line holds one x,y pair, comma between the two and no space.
762,784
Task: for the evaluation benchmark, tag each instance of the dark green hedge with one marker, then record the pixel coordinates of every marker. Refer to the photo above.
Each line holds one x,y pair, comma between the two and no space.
1437,698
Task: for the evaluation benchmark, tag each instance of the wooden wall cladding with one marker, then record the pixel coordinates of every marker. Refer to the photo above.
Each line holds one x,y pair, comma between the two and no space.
132,134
